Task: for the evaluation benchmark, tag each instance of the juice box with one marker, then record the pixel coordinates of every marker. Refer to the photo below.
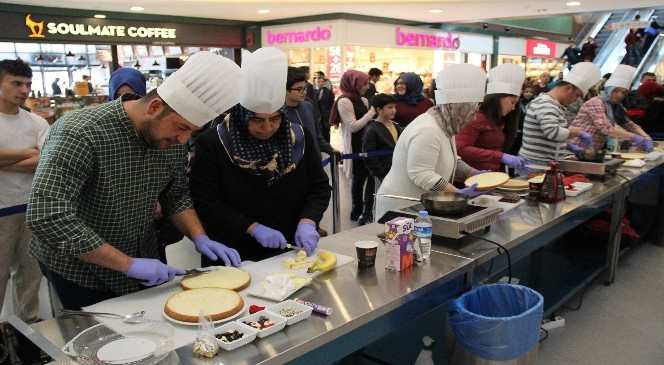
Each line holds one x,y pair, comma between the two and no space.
399,240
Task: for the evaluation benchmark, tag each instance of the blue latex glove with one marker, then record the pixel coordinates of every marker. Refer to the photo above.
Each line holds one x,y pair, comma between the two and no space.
512,161
215,250
152,272
268,237
306,236
647,145
574,148
470,192
586,138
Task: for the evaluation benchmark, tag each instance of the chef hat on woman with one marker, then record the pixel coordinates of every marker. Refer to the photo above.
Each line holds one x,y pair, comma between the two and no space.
264,73
621,77
506,79
203,88
460,83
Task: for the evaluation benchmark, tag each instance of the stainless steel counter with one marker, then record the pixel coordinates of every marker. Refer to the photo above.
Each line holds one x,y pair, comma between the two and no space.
359,297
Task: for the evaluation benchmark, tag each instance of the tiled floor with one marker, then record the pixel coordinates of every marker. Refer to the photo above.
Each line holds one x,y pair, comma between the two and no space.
618,324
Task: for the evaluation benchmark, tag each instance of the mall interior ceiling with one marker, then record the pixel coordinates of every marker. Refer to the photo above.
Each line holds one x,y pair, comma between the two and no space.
422,11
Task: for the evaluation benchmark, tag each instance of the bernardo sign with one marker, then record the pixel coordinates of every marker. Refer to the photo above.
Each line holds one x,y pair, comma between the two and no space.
37,29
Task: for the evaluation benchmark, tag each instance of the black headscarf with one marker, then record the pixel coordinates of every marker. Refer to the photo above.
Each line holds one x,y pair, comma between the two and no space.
271,158
414,87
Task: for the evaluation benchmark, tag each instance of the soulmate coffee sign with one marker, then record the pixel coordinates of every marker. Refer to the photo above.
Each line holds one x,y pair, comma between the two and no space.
37,30
45,28
406,38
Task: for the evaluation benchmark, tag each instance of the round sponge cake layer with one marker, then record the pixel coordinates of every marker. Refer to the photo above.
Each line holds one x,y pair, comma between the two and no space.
216,303
223,277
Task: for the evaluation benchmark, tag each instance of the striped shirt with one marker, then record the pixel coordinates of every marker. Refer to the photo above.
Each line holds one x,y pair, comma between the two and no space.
545,130
98,181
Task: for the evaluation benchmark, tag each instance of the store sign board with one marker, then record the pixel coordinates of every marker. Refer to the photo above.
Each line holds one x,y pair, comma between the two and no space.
36,30
313,34
44,28
406,38
540,49
626,25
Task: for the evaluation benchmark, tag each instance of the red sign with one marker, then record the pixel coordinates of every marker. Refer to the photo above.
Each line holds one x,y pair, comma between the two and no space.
540,49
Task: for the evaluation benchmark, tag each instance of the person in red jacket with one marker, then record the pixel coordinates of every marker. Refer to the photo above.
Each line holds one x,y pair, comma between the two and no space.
481,142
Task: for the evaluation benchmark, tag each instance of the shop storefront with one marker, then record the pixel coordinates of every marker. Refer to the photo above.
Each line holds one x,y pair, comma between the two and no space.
544,57
63,49
339,45
535,55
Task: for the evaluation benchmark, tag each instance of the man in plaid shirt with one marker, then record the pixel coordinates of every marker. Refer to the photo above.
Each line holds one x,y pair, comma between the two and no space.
100,175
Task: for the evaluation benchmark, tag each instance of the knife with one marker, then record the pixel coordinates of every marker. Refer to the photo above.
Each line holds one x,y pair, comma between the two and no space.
198,271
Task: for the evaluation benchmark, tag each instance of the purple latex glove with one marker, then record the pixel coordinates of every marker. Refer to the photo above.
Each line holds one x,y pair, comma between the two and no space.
586,138
512,161
268,237
306,236
470,192
638,140
152,272
215,250
574,148
643,143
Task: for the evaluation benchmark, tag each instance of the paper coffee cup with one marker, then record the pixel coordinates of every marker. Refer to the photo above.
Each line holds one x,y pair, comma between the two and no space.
366,253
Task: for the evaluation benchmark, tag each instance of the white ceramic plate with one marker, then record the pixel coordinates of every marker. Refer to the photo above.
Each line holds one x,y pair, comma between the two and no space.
279,323
305,311
249,335
234,316
126,350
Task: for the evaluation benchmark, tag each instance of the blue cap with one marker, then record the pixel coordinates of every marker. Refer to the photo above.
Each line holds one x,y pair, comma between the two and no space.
126,76
423,213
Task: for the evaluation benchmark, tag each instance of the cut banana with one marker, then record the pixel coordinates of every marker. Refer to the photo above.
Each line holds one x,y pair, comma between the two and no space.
298,262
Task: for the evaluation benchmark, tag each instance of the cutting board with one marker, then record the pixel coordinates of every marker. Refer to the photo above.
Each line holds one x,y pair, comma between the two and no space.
152,299
275,265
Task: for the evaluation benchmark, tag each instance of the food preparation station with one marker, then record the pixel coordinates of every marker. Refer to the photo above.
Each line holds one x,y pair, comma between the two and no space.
370,303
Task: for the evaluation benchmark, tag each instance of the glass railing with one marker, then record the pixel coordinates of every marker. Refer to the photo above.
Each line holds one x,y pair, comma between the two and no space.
651,61
613,51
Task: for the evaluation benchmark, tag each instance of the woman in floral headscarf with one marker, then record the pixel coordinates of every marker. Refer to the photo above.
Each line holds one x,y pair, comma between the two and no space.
425,157
351,111
257,184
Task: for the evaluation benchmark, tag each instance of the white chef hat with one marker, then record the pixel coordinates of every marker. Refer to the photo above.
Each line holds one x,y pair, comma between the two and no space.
264,75
583,75
506,79
204,87
621,77
460,83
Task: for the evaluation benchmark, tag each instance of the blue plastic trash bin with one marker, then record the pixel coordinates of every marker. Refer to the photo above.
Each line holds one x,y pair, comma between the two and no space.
497,322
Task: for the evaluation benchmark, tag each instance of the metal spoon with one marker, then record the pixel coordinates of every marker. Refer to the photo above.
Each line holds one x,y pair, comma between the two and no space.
132,318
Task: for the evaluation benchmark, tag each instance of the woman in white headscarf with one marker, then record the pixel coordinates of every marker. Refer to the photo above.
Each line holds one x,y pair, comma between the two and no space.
425,157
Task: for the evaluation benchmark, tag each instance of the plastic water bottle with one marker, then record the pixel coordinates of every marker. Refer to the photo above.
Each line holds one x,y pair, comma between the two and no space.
612,144
423,232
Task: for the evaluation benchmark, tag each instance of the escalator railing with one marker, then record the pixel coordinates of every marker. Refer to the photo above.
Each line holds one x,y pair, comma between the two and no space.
613,50
591,29
652,58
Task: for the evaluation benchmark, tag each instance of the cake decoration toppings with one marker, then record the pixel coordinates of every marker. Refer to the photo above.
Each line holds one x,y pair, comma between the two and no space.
229,336
260,324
